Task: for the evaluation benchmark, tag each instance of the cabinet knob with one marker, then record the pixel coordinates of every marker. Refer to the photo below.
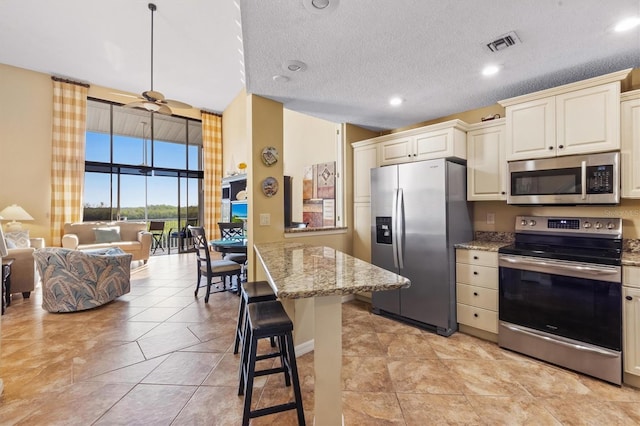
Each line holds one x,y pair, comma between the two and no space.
550,148
475,257
475,315
628,297
415,155
475,272
560,146
502,192
409,155
475,293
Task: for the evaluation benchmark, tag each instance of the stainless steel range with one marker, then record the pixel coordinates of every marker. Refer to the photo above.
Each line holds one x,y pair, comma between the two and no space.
560,293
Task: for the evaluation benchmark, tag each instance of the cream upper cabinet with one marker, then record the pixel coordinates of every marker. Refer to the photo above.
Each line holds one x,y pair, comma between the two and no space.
486,165
588,120
396,151
630,144
447,139
576,118
365,158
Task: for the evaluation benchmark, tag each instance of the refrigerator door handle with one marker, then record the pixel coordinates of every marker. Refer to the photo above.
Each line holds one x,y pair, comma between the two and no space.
394,229
400,227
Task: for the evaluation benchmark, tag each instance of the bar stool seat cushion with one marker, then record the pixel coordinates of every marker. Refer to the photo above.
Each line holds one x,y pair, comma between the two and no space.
268,319
257,291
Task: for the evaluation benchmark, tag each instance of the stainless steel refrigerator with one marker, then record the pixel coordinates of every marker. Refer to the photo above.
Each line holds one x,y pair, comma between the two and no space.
418,212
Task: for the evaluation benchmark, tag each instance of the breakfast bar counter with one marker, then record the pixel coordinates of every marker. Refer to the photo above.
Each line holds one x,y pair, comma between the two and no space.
297,271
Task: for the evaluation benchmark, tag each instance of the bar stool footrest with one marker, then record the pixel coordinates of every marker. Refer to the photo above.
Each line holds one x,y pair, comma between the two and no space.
272,410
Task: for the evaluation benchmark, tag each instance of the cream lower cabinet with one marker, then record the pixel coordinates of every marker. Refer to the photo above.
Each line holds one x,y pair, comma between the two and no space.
477,290
630,144
631,324
486,164
362,231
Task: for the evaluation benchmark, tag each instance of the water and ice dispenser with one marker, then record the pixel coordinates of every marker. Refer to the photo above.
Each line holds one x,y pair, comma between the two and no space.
383,230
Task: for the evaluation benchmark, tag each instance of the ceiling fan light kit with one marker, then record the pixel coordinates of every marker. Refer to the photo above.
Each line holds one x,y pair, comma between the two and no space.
151,100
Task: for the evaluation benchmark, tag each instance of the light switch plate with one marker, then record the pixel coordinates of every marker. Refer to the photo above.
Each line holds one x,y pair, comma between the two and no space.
265,219
491,218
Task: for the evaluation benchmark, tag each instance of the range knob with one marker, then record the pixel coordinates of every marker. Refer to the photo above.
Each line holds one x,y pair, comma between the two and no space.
587,225
532,222
610,225
598,225
523,222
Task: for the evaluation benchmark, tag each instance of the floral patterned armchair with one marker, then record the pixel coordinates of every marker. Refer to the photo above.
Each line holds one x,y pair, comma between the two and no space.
74,280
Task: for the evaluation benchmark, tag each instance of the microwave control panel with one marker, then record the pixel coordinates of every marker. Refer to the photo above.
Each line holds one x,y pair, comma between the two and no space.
600,179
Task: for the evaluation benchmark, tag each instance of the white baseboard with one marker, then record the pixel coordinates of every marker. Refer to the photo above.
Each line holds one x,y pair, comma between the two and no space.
304,348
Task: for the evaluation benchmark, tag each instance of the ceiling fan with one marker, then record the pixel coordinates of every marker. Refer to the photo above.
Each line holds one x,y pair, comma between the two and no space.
151,100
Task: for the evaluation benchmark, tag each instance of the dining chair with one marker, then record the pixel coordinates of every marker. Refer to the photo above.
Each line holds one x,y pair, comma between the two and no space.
211,269
233,231
156,228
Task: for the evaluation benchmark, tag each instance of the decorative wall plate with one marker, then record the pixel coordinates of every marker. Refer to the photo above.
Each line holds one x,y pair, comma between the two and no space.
269,186
241,195
269,156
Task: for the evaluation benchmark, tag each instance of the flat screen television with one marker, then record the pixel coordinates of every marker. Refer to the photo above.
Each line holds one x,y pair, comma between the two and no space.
239,211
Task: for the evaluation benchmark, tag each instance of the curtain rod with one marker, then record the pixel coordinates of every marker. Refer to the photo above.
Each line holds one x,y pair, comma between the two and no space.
209,112
66,80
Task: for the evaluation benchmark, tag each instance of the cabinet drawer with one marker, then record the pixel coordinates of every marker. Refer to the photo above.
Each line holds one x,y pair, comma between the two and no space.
480,297
483,276
631,276
482,319
477,257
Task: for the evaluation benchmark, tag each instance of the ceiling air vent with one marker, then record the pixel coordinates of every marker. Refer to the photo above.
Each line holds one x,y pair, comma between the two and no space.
503,42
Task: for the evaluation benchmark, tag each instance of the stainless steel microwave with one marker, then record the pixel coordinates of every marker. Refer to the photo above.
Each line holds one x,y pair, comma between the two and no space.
568,180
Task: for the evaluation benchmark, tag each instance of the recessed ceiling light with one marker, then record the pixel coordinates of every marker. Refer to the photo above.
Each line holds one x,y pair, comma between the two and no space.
396,101
280,78
294,66
627,24
320,6
490,70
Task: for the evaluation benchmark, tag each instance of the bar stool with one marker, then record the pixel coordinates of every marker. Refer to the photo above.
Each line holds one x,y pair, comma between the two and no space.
269,319
251,292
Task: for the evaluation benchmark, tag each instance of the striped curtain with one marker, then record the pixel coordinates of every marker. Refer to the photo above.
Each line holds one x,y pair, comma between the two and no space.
67,154
212,156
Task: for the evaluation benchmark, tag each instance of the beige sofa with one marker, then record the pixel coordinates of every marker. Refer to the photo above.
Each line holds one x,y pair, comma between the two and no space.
133,237
23,268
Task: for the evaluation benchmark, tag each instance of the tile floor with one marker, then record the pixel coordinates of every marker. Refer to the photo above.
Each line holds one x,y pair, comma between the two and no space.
157,356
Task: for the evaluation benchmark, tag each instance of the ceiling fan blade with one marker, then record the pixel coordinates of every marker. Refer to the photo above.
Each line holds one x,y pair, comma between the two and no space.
126,95
140,104
164,110
176,104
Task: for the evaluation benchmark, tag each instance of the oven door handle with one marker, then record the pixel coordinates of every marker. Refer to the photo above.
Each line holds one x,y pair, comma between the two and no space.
559,265
556,340
583,180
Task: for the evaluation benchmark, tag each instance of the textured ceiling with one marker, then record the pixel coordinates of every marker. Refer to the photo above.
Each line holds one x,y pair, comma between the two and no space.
358,54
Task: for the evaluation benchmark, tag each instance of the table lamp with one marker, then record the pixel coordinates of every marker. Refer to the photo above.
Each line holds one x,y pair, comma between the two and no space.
14,213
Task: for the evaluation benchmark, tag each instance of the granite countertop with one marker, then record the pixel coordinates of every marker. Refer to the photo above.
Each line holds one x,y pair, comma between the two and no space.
297,270
481,245
316,229
630,258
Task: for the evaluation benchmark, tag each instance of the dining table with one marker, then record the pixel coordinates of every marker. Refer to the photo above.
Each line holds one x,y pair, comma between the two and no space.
323,274
230,245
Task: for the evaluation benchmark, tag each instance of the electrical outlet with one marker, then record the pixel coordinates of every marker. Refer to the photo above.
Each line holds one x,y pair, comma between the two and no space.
265,219
491,218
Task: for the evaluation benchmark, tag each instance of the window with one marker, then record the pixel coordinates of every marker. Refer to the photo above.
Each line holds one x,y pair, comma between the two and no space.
142,166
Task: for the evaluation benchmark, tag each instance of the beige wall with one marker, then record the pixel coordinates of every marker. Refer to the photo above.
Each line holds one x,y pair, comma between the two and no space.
235,145
25,145
628,210
307,141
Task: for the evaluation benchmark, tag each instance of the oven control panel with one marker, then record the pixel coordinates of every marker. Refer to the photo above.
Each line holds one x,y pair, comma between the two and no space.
606,226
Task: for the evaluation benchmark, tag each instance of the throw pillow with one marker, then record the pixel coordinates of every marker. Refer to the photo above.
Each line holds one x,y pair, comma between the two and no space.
107,234
10,244
19,238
